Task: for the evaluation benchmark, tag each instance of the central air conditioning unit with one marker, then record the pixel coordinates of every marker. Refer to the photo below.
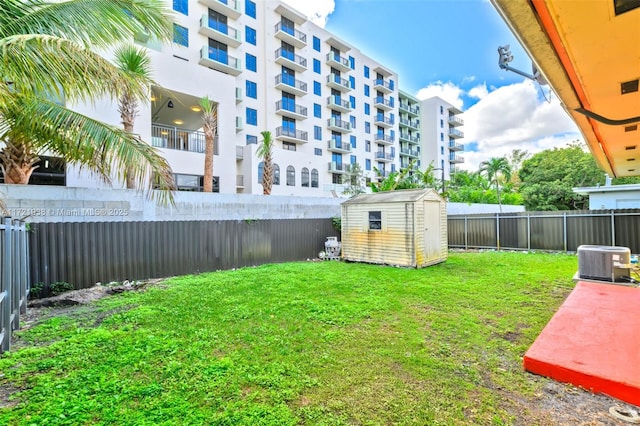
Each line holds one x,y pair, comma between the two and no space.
604,263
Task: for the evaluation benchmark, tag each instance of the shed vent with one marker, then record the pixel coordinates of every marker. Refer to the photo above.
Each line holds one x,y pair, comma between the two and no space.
603,263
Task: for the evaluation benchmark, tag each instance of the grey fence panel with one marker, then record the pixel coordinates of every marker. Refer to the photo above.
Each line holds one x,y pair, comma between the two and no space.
513,232
85,253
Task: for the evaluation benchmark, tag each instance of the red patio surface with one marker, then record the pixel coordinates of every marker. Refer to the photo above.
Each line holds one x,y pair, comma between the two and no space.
593,341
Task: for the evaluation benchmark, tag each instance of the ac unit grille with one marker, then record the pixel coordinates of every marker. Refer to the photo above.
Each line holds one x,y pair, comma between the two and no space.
603,263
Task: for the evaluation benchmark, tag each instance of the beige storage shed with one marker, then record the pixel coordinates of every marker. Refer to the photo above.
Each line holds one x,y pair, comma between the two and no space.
404,228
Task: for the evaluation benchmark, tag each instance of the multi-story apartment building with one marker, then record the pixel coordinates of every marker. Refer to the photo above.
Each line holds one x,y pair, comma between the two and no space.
409,131
440,134
267,67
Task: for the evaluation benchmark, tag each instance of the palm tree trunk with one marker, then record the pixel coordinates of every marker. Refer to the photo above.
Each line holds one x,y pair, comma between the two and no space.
128,110
267,175
17,162
208,162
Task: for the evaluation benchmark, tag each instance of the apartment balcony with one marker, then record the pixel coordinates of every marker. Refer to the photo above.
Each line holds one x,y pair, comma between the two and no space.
453,159
406,137
383,103
291,60
239,152
336,82
338,125
383,120
413,110
239,181
170,137
290,35
239,125
454,146
291,135
220,61
338,62
337,167
412,153
455,133
220,32
287,109
238,95
412,124
291,85
404,164
384,156
383,85
230,8
455,121
338,104
382,139
335,145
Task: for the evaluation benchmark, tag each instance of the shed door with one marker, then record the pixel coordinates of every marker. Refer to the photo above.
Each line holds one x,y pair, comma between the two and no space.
432,229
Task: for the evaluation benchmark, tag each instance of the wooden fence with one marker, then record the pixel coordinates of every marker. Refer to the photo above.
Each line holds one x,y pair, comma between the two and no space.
14,277
555,231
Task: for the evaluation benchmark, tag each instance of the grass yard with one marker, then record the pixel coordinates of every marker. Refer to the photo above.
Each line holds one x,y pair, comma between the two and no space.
313,343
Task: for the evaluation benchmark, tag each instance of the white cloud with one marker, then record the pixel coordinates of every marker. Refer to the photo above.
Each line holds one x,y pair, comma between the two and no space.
317,10
514,117
447,91
479,92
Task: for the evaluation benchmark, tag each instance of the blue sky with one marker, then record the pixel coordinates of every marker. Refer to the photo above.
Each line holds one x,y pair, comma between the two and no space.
448,48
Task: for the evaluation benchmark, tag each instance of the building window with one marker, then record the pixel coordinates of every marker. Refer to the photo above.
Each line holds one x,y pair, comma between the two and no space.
194,183
367,127
441,123
352,82
304,177
317,133
180,35
276,174
252,140
352,62
252,116
314,178
252,90
317,88
375,220
316,43
352,141
367,109
317,151
291,176
250,35
366,71
366,90
316,66
260,171
442,150
352,102
181,6
352,120
367,164
441,110
251,62
442,137
317,111
367,146
288,146
249,8
353,160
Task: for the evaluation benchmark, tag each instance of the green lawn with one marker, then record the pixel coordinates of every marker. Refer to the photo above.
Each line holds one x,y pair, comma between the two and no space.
314,343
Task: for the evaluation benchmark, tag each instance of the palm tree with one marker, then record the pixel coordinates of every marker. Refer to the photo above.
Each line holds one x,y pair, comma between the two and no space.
210,127
136,62
47,61
496,168
265,153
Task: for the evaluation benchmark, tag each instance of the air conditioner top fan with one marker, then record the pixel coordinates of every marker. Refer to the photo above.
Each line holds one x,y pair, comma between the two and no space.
603,263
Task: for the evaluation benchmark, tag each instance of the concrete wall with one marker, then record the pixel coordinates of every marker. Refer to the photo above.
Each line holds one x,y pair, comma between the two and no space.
614,200
39,204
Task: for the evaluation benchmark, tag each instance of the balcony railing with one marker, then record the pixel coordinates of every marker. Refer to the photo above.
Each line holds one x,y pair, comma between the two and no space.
382,138
180,139
291,57
220,31
381,83
239,152
299,36
410,138
384,119
453,146
338,61
455,133
336,80
415,110
381,155
382,101
220,60
240,181
339,146
337,167
292,108
455,120
339,103
292,82
456,158
409,152
339,125
410,123
298,135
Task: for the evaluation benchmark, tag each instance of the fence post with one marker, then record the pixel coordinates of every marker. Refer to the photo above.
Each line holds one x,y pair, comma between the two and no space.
6,286
466,234
564,231
498,231
529,231
613,228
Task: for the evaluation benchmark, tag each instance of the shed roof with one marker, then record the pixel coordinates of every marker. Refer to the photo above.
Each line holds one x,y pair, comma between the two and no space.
607,188
404,195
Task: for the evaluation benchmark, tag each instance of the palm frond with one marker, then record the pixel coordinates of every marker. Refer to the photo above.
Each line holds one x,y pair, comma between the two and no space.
51,66
100,148
99,23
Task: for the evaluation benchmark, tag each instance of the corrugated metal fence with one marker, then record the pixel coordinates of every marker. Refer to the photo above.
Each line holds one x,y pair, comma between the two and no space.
85,253
14,277
557,231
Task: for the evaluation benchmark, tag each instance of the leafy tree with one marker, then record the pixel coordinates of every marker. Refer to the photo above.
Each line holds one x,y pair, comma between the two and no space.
265,153
496,169
394,181
135,61
48,60
548,178
354,179
210,127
